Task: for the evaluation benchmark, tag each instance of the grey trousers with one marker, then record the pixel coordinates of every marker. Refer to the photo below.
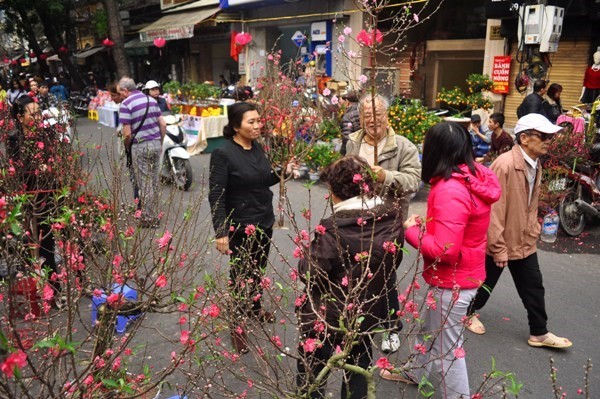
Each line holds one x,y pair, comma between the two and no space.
145,158
439,364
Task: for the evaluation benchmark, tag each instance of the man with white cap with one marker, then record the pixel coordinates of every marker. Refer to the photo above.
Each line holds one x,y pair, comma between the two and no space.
153,89
514,229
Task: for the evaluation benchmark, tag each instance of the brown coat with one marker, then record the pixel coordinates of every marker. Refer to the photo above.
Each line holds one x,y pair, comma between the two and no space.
514,226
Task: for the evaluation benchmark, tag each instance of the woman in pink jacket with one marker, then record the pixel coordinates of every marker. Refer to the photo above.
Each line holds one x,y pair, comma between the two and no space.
453,246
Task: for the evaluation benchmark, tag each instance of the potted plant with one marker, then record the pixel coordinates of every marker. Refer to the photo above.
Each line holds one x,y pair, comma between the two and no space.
461,103
411,119
320,156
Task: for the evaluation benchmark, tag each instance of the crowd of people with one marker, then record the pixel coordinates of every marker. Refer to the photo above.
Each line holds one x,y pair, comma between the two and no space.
479,221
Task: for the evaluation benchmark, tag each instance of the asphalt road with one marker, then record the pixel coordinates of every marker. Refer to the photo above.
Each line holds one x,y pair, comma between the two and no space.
571,276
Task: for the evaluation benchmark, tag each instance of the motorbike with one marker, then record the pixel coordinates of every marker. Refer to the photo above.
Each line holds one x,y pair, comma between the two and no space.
174,158
581,198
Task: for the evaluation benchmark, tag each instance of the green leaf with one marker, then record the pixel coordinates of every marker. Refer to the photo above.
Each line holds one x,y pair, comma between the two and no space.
110,383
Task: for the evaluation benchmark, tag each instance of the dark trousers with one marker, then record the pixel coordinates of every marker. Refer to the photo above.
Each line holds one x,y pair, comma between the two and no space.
528,280
393,305
249,256
310,365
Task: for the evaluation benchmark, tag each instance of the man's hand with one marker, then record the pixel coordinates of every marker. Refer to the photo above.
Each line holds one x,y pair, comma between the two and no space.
223,245
380,172
501,263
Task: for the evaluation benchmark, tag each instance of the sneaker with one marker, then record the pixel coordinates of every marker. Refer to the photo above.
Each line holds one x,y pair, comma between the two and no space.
390,342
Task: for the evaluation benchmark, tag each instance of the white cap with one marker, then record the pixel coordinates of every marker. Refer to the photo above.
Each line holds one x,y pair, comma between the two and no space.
151,84
536,122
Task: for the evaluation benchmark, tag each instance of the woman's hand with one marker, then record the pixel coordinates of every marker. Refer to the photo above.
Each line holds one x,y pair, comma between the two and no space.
413,220
223,245
291,168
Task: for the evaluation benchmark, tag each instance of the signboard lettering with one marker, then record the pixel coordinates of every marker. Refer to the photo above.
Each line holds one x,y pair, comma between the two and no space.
501,74
298,38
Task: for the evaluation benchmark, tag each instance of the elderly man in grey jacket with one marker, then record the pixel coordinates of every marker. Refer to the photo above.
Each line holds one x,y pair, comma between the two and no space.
397,167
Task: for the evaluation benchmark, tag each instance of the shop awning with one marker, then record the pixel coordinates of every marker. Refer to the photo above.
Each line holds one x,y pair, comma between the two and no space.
176,26
192,5
137,43
86,53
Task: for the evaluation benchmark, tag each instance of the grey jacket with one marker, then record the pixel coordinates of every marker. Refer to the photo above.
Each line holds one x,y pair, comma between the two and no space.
400,159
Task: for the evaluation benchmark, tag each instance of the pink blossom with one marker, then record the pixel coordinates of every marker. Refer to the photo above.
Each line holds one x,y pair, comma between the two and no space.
250,229
47,293
357,178
161,281
40,145
14,360
389,247
319,326
420,348
310,344
116,364
212,311
361,222
182,320
117,260
165,240
88,380
347,30
300,300
114,299
129,232
459,353
430,301
326,92
270,57
366,188
416,17
341,38
363,79
276,340
97,293
335,100
383,363
352,54
320,229
298,254
306,213
184,338
344,282
369,38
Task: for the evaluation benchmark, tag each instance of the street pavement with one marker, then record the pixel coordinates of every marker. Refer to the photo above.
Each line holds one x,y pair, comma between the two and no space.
571,275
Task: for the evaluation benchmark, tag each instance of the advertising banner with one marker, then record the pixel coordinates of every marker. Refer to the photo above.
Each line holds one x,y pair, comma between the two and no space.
501,74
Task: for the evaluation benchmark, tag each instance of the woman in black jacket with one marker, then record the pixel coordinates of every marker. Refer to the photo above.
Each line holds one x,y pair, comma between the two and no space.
551,107
242,211
348,271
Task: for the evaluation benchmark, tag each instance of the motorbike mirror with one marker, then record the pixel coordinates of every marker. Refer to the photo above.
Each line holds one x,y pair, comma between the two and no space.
171,119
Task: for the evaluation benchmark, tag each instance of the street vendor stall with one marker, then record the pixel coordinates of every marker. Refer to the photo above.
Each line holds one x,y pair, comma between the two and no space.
204,133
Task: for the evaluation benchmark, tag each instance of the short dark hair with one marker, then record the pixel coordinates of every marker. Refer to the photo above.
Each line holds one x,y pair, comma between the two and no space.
20,104
235,114
447,146
539,85
553,89
243,93
342,178
498,117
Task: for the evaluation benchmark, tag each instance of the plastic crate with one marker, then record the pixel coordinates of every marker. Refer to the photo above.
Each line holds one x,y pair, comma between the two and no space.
122,321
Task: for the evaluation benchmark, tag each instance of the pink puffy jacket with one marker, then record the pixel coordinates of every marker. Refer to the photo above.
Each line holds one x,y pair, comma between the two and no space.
458,215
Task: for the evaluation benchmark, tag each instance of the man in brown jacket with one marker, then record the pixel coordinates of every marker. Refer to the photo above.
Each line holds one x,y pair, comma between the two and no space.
514,229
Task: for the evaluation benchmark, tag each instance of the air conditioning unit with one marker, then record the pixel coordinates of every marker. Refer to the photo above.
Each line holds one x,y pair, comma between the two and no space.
551,28
540,25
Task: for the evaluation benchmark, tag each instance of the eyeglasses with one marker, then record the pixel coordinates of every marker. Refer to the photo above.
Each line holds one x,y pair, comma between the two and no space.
542,136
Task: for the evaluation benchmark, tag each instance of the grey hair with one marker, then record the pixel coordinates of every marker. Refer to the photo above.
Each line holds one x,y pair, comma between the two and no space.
367,99
127,83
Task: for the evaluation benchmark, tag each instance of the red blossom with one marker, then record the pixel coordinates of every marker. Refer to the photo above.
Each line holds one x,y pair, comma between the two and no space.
369,38
165,240
161,281
384,364
320,229
311,344
185,337
250,229
459,353
16,360
389,247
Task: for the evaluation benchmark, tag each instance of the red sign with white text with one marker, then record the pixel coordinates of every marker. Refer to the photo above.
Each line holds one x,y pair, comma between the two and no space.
501,74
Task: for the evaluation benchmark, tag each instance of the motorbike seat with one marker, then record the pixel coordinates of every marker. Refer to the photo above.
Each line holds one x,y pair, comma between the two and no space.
177,139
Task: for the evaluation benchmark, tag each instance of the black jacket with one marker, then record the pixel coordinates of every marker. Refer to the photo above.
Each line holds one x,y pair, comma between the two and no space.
551,109
350,123
331,257
532,104
239,184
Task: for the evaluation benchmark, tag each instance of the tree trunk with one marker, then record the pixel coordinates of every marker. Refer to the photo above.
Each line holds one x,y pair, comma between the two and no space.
56,41
27,27
115,28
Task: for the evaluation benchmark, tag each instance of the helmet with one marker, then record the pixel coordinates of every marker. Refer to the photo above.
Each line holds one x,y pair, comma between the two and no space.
311,63
151,84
